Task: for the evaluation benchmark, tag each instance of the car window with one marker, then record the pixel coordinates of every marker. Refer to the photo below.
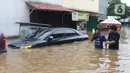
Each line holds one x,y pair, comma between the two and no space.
71,33
38,33
58,34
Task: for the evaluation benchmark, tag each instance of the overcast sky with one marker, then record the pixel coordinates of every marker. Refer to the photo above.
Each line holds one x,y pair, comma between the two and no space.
126,1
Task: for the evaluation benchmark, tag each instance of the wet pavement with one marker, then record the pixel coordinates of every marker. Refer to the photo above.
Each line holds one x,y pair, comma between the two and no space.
78,57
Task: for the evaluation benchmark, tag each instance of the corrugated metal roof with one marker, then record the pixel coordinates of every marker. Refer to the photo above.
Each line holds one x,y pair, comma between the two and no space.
46,6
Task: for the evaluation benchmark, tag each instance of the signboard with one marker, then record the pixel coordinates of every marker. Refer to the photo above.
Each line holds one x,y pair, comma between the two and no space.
74,16
83,16
80,16
119,9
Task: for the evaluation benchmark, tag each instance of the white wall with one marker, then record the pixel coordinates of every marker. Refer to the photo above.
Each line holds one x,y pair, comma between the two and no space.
12,11
86,5
58,2
6,15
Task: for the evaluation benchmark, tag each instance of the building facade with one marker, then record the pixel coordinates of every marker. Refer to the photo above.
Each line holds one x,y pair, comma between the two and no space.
95,8
58,2
13,11
84,5
103,4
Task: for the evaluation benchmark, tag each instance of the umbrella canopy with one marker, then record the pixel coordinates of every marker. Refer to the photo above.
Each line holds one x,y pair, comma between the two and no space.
110,21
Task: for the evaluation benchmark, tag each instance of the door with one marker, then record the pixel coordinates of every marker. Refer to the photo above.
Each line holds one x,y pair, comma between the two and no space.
56,37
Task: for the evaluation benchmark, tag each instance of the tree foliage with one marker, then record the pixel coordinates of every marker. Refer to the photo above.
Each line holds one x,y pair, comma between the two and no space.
111,7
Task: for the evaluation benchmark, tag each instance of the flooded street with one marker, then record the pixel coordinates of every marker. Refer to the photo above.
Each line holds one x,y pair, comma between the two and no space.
78,57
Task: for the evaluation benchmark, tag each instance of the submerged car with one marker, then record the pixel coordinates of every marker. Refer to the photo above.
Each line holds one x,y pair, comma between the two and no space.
49,36
2,43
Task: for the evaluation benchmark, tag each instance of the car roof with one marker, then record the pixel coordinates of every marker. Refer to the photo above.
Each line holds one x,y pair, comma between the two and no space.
54,29
58,28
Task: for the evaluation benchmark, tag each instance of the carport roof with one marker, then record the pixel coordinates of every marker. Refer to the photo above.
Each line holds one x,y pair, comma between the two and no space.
46,6
33,24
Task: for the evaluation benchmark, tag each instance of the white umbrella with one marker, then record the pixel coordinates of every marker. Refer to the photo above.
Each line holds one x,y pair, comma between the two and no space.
109,22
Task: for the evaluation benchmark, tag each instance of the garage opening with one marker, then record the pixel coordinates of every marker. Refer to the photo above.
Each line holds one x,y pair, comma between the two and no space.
55,15
46,17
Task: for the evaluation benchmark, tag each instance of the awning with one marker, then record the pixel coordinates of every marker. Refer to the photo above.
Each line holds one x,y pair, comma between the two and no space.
46,6
109,22
33,24
91,13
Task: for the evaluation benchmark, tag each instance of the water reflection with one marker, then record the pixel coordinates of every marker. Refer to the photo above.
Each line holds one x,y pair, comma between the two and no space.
3,63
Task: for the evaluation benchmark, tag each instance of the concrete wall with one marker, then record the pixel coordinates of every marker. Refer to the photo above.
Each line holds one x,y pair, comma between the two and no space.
87,5
58,2
12,11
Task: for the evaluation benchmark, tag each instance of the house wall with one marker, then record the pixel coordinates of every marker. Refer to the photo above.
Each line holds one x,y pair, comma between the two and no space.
58,2
12,11
86,5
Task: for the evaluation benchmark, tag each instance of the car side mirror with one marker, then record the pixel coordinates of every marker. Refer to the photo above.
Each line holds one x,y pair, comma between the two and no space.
50,38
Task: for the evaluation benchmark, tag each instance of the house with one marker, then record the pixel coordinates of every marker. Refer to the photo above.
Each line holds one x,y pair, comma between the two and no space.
55,12
93,8
11,12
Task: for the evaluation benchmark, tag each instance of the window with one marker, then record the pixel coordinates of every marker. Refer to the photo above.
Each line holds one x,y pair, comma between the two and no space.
38,33
58,34
71,33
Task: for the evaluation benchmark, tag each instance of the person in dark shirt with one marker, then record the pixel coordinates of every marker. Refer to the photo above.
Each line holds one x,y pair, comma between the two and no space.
99,39
113,38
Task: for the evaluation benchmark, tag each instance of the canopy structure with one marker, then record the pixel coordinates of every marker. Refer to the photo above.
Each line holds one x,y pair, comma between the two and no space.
47,7
110,21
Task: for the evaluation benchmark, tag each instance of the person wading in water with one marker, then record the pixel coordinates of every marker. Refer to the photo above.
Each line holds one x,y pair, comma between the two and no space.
113,38
99,39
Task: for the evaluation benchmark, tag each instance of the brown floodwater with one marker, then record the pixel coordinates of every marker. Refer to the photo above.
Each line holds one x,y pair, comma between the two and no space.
78,57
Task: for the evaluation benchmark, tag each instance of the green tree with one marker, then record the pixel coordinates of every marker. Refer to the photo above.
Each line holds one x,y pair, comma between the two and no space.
111,7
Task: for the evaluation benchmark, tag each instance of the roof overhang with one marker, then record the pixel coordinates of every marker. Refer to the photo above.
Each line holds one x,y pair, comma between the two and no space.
91,13
47,6
33,24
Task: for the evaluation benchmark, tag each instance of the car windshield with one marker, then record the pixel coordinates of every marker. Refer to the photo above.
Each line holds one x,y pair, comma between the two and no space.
38,33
